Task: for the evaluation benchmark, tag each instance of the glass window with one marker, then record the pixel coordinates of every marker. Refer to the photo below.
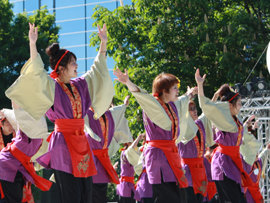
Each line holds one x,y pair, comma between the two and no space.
48,3
31,5
17,6
71,26
70,13
73,40
63,3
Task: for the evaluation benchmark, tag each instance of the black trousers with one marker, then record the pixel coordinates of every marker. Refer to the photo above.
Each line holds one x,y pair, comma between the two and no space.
145,200
192,198
168,192
73,190
229,191
100,192
127,199
13,191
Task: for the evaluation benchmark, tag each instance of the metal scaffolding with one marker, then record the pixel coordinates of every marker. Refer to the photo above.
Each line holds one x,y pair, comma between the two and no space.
260,107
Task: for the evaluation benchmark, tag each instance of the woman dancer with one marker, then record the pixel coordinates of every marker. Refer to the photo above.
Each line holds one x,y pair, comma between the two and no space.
191,150
65,102
16,168
112,124
161,122
227,169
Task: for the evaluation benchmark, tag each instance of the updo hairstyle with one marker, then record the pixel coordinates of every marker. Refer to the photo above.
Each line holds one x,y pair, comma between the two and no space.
226,93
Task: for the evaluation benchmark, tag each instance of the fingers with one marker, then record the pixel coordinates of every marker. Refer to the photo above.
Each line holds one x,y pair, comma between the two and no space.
99,30
204,76
104,27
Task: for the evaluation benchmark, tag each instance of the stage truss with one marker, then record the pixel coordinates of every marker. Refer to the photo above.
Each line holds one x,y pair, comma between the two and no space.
260,106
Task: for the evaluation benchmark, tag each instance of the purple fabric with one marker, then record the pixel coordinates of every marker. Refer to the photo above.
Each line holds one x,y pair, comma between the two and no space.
58,156
10,165
222,163
207,166
155,159
189,150
102,176
249,198
124,189
144,188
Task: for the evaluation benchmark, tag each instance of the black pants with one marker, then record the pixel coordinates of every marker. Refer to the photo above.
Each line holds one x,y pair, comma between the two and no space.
229,191
147,200
73,190
100,192
168,192
13,191
192,198
127,199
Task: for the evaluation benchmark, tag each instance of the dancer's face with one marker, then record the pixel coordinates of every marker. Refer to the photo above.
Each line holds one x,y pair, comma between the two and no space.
193,112
172,95
235,108
7,128
71,70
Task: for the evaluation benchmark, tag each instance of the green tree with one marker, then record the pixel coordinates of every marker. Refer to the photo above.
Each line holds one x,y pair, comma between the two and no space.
14,44
222,38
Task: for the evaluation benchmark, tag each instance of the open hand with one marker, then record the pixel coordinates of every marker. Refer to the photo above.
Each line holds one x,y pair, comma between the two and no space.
103,33
33,33
126,100
121,77
198,77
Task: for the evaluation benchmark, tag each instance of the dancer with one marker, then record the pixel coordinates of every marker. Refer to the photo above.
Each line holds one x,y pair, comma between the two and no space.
112,124
227,169
16,168
191,149
66,103
125,189
161,114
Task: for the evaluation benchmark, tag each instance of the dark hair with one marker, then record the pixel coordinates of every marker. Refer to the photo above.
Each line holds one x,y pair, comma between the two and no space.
55,53
191,102
164,81
226,94
3,121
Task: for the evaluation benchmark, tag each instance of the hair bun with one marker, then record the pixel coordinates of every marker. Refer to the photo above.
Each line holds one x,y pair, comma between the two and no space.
224,90
52,49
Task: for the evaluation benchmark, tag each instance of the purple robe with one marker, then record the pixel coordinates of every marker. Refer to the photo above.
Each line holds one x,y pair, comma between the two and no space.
124,189
10,165
207,166
102,176
189,150
58,156
222,163
249,198
155,159
144,188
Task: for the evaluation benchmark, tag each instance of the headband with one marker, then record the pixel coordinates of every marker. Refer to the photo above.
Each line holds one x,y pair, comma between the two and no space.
54,74
233,97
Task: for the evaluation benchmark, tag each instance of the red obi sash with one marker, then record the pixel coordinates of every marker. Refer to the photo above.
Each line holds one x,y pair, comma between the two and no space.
211,190
25,160
234,153
127,179
81,157
103,157
255,192
1,191
144,171
198,175
171,152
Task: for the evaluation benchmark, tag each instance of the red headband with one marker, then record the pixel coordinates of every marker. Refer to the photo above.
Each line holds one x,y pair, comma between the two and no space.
3,119
233,97
54,74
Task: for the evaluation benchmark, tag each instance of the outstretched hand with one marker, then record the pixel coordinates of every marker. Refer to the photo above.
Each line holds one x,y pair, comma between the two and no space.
126,100
33,33
121,77
103,33
198,78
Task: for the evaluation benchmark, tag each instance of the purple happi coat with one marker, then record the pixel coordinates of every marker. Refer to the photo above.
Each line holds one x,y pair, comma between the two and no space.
207,166
222,163
254,177
125,189
10,165
58,156
189,150
155,159
102,176
144,188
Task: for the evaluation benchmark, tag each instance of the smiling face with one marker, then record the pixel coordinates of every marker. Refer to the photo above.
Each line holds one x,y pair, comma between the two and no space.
7,128
172,95
70,71
236,107
193,111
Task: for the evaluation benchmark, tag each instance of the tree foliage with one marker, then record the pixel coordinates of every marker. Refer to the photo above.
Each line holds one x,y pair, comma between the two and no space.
14,43
222,38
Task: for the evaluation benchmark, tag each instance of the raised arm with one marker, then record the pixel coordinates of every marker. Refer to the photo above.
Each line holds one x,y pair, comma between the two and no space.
33,36
200,81
104,39
124,78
